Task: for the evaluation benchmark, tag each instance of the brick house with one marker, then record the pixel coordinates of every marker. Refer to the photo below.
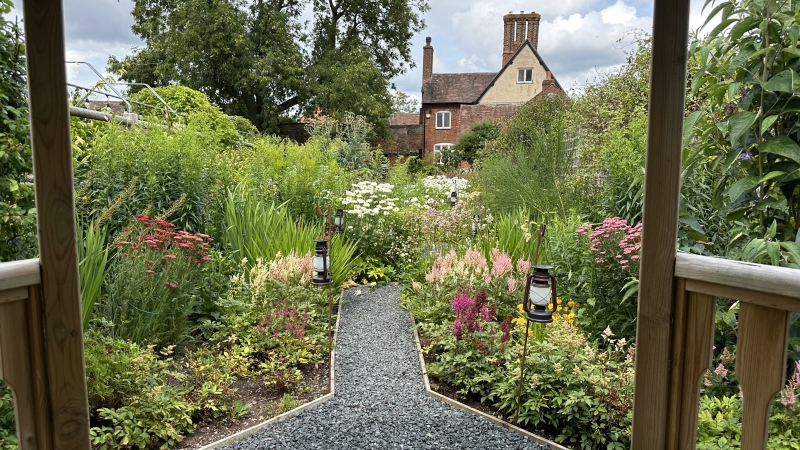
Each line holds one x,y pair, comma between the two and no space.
453,102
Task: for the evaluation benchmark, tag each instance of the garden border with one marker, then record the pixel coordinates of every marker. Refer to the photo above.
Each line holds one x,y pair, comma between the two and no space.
288,414
431,393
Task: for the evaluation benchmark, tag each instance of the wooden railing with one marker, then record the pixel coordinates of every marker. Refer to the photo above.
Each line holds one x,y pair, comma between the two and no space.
22,351
767,296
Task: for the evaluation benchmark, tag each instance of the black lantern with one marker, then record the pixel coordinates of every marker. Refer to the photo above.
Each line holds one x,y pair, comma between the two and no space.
338,221
540,289
476,224
453,198
322,264
384,170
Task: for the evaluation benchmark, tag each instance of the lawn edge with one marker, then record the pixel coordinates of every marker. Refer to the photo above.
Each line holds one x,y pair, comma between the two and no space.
431,393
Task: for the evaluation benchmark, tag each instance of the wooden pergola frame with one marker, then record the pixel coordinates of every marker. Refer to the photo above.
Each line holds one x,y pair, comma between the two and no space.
41,338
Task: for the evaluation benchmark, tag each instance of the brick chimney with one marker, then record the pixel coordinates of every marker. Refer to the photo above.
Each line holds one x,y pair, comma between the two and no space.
518,28
427,60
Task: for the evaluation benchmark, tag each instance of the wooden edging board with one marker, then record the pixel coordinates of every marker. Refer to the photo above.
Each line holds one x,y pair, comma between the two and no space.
289,414
431,393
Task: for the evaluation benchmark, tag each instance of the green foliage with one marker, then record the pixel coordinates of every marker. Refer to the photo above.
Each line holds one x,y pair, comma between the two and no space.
146,400
8,430
744,122
175,169
348,139
155,279
194,108
17,213
258,60
581,394
403,103
478,137
532,164
92,262
259,232
720,425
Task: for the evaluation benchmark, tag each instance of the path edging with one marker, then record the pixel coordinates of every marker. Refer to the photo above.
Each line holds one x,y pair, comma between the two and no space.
431,393
288,414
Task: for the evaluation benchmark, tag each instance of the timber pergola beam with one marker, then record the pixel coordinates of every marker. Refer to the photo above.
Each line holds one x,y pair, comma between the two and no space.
63,374
654,375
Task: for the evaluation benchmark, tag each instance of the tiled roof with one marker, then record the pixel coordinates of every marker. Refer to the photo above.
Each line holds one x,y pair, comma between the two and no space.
404,119
455,87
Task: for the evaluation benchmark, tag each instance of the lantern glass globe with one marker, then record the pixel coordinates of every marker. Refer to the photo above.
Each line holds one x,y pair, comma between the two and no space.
540,296
321,264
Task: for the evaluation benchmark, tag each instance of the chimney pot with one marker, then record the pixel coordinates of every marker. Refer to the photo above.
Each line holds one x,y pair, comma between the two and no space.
549,75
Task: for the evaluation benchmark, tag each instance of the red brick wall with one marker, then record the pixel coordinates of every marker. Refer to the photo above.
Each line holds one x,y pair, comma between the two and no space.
441,136
472,114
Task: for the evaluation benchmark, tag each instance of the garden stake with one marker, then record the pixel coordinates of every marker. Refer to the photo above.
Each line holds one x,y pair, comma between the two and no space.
542,229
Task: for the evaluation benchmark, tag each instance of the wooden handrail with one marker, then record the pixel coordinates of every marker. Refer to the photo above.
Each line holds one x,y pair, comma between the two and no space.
17,274
782,281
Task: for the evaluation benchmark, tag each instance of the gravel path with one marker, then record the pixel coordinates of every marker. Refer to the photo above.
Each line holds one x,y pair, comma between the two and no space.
380,400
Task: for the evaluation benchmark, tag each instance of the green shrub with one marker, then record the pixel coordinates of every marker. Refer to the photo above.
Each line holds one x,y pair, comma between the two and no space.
148,400
582,395
93,259
477,138
17,213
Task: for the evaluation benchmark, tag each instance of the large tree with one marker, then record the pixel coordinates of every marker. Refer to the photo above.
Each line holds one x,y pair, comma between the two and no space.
256,58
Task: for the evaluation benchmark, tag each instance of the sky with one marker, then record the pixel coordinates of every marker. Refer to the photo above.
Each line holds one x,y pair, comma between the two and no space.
578,39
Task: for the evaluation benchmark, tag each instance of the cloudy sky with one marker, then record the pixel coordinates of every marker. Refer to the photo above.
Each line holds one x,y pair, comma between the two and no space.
578,38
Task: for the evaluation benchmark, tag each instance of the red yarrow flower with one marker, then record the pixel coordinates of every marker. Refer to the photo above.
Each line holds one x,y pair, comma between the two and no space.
171,284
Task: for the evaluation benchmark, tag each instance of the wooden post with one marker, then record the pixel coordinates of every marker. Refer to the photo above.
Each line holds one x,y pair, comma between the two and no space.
55,207
661,195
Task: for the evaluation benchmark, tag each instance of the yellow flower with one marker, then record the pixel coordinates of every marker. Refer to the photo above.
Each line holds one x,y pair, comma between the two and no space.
571,304
558,309
558,300
520,308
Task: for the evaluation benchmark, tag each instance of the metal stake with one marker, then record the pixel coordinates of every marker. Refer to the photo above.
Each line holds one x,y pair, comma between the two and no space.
522,372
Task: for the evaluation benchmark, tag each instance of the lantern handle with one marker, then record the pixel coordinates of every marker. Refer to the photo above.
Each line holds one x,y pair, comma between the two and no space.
526,301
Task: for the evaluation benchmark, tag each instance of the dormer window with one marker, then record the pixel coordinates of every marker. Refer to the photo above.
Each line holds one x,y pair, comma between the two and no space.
443,120
525,75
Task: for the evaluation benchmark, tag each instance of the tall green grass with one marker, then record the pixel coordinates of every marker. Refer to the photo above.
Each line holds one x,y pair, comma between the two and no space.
508,233
92,263
257,229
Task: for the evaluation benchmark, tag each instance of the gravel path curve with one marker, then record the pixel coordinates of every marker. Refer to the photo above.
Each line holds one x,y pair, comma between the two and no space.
380,400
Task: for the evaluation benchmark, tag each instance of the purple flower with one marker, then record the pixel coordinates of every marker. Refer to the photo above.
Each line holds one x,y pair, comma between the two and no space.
744,156
460,303
457,329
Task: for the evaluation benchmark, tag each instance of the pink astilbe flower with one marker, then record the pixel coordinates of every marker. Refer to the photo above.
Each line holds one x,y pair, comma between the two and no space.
501,263
523,266
416,286
512,285
721,371
474,258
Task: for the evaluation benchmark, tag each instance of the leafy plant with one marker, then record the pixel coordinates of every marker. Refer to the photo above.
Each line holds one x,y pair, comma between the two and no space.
17,213
92,262
744,90
154,277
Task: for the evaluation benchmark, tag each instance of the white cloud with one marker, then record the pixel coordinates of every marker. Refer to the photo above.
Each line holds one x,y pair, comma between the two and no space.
577,38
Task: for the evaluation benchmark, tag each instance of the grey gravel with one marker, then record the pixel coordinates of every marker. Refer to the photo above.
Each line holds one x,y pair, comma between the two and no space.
380,399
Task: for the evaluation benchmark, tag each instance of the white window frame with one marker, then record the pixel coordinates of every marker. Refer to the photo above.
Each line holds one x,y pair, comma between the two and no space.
443,115
437,151
524,71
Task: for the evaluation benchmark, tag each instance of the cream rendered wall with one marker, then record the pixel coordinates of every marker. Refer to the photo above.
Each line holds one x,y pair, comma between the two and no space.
507,90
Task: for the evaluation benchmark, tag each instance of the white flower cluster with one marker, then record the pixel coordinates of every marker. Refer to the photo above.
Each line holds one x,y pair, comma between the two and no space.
368,198
444,184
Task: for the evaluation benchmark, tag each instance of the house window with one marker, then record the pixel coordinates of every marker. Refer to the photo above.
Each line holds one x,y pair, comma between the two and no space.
437,152
443,119
525,75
